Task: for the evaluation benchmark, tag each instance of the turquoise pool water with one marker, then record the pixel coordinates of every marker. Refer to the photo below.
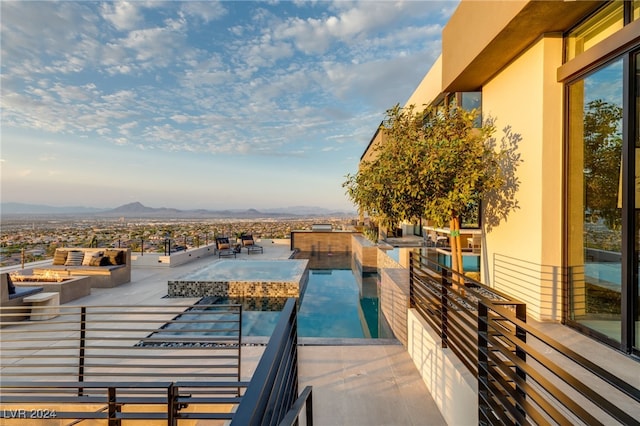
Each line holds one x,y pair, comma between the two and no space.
249,270
334,305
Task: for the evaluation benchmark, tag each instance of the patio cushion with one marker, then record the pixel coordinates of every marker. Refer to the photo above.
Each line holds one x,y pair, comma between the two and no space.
12,288
116,257
60,257
74,258
88,256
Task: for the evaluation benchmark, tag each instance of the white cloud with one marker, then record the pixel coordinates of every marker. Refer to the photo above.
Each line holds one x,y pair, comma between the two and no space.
122,15
251,80
207,11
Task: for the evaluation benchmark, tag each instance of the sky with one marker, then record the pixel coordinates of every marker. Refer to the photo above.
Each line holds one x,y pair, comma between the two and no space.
213,105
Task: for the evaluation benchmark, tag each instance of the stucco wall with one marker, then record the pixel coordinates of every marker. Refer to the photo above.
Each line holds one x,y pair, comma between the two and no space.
452,386
319,241
394,300
364,253
429,88
175,259
526,96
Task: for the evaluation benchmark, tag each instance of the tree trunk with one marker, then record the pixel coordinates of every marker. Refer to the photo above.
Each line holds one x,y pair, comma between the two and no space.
454,248
456,251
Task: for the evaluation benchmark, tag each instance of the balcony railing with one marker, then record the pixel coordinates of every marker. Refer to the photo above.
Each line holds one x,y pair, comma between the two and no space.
166,363
272,398
524,376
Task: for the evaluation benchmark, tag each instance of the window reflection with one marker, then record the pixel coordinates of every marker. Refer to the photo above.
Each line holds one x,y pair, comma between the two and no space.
595,216
595,29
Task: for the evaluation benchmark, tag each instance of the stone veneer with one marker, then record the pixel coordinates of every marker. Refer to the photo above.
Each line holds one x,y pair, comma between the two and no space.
272,289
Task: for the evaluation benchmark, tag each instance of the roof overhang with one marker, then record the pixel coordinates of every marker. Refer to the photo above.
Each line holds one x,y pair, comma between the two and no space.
484,36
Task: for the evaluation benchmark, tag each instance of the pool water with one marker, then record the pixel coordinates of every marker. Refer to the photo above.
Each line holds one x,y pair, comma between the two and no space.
249,270
334,305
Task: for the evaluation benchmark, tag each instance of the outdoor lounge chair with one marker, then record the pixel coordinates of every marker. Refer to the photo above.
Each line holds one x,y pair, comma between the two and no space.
250,244
224,247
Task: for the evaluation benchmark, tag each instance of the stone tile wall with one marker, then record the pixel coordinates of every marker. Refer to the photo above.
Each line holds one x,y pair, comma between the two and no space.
233,289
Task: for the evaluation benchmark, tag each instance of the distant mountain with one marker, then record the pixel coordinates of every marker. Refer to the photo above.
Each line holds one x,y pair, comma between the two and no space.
137,209
21,208
306,211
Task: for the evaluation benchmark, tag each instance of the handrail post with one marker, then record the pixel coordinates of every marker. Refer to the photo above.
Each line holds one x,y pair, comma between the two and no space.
411,295
483,362
309,408
172,406
82,346
113,407
444,308
521,334
239,347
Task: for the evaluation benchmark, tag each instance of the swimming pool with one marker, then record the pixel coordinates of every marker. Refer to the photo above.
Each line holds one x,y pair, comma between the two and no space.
249,270
244,278
334,303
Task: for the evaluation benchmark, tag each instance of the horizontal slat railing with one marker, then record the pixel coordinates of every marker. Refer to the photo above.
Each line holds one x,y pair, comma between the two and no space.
272,397
123,362
524,376
94,342
450,311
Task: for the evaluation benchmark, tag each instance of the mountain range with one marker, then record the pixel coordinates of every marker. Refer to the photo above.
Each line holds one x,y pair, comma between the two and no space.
137,209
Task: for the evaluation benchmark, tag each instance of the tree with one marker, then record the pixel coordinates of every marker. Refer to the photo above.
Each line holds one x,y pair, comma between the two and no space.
434,164
390,186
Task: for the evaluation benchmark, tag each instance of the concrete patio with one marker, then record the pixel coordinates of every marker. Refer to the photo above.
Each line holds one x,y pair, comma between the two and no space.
355,381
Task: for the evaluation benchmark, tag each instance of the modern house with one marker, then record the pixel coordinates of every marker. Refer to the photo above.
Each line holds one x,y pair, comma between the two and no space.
564,77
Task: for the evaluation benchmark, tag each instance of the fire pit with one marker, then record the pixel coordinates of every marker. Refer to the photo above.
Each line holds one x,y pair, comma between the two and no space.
48,277
69,287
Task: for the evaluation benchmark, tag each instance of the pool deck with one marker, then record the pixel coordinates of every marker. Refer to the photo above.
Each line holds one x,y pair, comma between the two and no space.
354,382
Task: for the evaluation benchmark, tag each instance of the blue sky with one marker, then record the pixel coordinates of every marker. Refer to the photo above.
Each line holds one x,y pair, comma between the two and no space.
202,104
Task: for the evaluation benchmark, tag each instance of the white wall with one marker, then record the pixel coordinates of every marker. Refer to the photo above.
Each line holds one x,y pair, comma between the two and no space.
176,258
452,386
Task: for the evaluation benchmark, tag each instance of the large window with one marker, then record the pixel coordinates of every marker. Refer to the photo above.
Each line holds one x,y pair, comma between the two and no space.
602,250
595,29
595,216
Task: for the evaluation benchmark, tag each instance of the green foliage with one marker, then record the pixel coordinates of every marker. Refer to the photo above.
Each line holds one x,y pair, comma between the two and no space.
371,233
433,164
602,160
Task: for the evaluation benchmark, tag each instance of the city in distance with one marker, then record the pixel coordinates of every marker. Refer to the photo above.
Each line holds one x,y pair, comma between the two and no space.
137,209
27,237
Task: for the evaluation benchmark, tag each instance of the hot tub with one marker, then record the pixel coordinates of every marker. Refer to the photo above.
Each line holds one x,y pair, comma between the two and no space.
244,278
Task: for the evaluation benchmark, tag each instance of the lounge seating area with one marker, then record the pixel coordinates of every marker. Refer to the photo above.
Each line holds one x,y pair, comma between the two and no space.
11,295
107,267
69,288
251,246
225,248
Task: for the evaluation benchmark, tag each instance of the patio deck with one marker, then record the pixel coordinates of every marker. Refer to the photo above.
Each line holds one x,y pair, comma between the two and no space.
355,382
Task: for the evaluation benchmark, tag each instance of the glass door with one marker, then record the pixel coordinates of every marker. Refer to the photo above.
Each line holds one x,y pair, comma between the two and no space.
635,287
594,201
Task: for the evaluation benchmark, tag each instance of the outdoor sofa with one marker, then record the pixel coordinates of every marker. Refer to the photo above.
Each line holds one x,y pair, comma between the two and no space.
107,267
11,295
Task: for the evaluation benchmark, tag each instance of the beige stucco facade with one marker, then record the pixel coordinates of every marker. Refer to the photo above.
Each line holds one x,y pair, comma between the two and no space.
513,52
533,232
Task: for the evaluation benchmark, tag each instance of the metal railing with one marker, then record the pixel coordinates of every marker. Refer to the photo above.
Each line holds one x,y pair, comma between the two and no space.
147,363
524,376
123,343
450,311
272,397
122,362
